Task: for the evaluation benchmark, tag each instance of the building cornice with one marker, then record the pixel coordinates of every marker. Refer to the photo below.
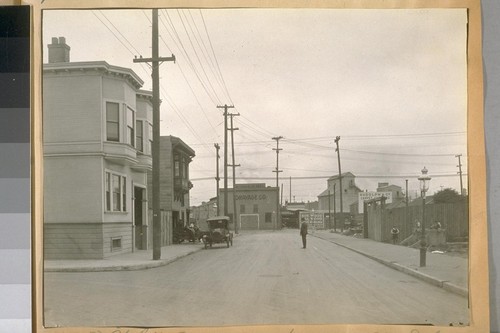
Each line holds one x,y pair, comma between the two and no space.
99,66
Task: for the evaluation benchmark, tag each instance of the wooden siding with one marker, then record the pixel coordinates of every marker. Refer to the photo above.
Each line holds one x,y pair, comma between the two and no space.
71,114
116,230
73,189
73,241
85,240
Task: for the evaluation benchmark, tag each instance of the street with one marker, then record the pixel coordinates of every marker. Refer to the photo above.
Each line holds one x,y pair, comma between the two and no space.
265,278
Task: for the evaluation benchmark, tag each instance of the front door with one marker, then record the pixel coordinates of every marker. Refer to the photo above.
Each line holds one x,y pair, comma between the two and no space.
140,228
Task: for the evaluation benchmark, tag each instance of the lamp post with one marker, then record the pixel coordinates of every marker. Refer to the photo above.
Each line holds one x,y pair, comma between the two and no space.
424,180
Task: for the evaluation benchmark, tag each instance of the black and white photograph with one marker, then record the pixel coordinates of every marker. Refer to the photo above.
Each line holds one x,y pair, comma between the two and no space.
217,167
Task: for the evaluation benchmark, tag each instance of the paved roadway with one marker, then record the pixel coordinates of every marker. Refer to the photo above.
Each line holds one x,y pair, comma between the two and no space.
265,278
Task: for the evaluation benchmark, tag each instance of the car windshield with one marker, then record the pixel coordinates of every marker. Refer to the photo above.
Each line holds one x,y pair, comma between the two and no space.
217,224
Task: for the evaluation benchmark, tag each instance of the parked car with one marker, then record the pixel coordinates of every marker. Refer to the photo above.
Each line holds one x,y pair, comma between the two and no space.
191,234
218,232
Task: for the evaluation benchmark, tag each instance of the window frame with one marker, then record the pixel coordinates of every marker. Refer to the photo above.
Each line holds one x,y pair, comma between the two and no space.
115,197
139,135
109,122
150,137
130,135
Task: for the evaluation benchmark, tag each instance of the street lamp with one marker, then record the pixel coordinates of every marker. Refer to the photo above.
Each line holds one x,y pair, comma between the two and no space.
424,186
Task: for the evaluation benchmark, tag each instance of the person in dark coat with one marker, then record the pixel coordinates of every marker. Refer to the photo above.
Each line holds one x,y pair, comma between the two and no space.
303,233
395,234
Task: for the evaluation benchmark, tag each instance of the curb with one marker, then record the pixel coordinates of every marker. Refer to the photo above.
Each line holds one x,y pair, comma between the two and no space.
122,267
419,275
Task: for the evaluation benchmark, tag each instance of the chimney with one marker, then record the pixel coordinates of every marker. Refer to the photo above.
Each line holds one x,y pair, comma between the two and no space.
58,50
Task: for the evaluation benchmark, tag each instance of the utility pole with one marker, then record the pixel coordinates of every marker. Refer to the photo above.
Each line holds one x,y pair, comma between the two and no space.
329,210
460,173
406,205
277,138
334,208
337,139
290,189
235,216
155,59
225,107
217,178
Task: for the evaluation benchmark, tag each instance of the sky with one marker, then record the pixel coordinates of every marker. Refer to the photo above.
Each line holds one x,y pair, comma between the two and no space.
390,82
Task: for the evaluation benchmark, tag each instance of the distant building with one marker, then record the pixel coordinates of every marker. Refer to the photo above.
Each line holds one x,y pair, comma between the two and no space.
349,195
97,152
200,214
175,157
255,206
397,192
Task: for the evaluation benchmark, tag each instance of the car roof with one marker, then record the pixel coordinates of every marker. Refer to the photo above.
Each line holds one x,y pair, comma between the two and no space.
216,218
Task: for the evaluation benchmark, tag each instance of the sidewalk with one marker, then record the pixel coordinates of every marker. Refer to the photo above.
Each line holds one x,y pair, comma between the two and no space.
442,270
140,259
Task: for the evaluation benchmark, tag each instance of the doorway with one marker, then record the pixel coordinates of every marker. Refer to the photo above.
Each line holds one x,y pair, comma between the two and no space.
140,227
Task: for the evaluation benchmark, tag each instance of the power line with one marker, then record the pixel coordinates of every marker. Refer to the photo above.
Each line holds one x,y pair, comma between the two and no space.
196,54
192,90
104,15
205,54
215,57
188,58
396,154
329,176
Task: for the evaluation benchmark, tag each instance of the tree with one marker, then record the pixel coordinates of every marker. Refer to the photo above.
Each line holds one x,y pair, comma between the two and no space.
447,195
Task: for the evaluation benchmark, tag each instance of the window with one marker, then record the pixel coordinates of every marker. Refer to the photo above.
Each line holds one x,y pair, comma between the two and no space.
184,168
108,191
139,145
116,192
177,169
130,127
112,122
124,194
269,217
242,209
255,208
116,244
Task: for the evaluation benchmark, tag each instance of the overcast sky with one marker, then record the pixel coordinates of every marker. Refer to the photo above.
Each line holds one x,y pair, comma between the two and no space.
390,83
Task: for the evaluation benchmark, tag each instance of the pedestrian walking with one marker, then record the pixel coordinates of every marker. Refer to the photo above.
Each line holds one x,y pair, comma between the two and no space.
395,234
303,233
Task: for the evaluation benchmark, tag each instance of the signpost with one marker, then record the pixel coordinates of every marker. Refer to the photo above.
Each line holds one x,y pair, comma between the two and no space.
365,196
315,220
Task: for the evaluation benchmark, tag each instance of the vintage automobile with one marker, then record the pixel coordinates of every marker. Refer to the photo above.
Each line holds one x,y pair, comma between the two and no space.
218,231
190,234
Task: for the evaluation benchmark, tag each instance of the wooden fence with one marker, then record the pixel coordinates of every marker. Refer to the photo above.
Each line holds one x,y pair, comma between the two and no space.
453,218
166,228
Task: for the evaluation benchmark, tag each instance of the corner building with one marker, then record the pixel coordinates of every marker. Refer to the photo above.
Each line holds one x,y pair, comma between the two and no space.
97,134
